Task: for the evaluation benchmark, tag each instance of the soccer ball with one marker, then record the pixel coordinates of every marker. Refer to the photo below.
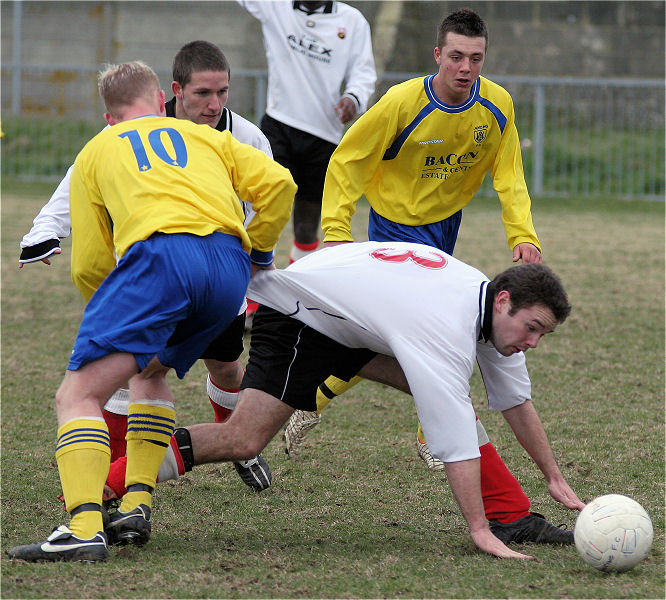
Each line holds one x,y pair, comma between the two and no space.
613,533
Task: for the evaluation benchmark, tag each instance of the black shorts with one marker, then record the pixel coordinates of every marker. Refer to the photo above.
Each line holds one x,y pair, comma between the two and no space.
228,346
305,155
288,359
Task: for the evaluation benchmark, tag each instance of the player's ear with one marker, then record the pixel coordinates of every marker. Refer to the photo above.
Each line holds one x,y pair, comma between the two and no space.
503,300
162,101
109,119
176,89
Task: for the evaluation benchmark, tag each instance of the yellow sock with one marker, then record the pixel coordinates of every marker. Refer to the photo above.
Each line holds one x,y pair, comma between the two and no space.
419,435
331,388
150,425
83,455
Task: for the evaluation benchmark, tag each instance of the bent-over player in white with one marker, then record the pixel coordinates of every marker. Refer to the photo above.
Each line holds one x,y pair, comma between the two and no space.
350,309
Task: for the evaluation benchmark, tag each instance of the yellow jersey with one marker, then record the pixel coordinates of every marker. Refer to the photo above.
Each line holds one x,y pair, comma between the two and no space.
161,174
419,161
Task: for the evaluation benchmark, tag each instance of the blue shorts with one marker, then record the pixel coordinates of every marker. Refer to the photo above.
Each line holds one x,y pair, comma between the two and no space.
441,235
170,296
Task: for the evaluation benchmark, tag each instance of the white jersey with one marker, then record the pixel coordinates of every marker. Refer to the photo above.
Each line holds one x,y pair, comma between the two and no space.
53,220
309,57
417,304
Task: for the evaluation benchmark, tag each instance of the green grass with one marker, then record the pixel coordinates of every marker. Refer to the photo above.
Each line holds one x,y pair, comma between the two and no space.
357,515
39,147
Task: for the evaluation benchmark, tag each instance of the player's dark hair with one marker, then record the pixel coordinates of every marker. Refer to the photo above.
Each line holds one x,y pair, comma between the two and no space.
198,56
463,22
533,284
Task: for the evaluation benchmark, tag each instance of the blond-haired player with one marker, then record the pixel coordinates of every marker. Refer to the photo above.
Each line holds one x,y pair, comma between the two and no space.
168,208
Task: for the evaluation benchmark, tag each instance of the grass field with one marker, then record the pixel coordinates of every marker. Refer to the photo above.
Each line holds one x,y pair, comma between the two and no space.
357,515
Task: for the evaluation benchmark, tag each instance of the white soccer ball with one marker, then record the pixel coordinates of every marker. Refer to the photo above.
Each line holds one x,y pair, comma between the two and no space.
613,533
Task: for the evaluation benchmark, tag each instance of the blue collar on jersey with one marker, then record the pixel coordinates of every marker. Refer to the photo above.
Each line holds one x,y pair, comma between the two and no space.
452,108
486,299
435,103
474,97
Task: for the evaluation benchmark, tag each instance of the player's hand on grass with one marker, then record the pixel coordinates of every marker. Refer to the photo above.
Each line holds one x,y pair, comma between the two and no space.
487,542
560,491
45,259
529,253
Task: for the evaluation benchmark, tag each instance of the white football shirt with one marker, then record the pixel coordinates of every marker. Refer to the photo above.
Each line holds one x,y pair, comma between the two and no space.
309,57
417,304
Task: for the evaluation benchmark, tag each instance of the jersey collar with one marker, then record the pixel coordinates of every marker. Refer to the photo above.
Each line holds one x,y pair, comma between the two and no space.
451,108
486,298
325,9
222,125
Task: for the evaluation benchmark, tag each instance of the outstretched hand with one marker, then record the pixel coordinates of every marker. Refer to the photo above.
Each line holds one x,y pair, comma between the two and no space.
487,542
560,491
45,260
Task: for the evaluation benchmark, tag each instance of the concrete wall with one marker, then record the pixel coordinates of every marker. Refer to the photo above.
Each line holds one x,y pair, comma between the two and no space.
584,39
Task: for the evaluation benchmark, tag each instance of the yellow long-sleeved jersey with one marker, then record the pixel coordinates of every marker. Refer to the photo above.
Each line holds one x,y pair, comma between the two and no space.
419,161
160,174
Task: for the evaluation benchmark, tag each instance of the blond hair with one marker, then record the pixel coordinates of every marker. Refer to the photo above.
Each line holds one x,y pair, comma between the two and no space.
121,85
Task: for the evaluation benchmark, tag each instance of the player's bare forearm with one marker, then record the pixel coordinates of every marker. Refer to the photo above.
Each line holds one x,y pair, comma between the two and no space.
465,480
526,425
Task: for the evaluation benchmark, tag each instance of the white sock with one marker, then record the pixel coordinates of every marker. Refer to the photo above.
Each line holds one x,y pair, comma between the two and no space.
119,402
221,397
481,434
300,250
169,467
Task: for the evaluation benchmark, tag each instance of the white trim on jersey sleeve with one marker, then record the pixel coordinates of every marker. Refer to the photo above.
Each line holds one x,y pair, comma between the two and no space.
505,378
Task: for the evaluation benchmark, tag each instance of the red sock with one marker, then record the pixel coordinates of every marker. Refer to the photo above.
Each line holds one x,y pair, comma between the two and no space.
178,455
221,413
117,425
503,498
299,250
116,478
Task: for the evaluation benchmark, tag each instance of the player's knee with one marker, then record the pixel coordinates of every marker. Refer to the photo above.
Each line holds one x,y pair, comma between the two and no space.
247,449
226,375
69,402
